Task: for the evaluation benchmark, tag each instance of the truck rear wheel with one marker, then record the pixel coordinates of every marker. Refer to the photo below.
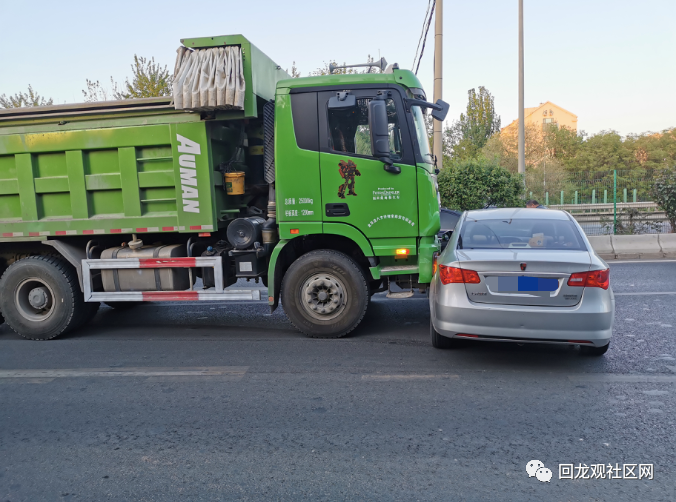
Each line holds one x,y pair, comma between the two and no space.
40,297
325,294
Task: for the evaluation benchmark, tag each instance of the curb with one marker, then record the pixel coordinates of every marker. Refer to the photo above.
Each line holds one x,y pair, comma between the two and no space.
634,247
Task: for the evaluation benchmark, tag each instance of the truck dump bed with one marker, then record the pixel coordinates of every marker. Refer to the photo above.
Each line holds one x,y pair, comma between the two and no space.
125,166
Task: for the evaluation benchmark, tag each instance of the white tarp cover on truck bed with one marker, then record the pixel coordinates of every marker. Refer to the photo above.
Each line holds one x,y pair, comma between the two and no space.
208,79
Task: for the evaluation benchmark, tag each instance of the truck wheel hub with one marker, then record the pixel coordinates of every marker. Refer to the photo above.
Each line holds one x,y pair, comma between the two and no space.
323,297
34,300
38,297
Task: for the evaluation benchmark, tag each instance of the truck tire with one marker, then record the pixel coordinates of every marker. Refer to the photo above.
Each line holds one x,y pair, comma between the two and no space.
325,294
40,297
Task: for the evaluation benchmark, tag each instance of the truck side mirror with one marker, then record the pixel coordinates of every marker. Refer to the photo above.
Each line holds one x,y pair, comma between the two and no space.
380,136
440,112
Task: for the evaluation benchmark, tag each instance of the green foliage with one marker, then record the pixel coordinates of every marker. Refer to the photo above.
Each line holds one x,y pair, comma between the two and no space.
664,194
467,136
479,183
294,71
149,80
604,151
342,71
28,99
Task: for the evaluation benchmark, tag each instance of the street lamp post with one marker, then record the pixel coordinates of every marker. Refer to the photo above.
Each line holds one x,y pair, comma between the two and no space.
522,118
438,67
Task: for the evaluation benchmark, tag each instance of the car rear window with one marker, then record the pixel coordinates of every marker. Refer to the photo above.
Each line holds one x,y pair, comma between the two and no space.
520,233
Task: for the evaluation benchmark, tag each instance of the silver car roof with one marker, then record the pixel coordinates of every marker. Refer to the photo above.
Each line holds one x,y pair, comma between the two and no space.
517,213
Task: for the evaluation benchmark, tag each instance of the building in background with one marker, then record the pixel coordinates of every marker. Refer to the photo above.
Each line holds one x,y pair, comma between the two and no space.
545,114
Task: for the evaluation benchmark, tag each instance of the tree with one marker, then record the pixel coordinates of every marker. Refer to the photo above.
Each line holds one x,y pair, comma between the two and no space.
149,80
294,71
96,92
28,99
604,151
479,183
664,193
342,71
503,148
467,136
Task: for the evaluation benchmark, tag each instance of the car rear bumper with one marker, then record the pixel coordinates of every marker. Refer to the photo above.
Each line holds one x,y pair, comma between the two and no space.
590,320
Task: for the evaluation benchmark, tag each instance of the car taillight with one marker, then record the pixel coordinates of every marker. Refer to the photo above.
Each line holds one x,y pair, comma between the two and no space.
593,279
449,275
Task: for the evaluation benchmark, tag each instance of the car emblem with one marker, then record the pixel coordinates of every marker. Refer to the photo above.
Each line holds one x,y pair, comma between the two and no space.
523,266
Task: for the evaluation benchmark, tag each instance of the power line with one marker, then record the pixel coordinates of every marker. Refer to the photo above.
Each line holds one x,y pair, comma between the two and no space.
429,21
421,33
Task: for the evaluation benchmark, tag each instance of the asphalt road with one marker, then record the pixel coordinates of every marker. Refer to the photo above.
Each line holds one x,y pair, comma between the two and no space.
227,402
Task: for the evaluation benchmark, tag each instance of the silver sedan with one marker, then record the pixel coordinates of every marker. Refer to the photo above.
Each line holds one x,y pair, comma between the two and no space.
521,275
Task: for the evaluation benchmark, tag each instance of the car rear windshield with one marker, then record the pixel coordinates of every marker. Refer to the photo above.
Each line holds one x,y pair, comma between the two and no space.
520,233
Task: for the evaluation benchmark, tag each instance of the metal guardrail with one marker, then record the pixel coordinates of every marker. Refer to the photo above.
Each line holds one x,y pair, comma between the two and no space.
601,219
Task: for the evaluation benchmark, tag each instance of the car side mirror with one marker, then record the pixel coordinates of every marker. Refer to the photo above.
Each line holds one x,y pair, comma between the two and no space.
380,134
445,239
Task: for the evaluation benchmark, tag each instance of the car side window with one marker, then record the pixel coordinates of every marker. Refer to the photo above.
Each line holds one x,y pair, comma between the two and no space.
349,129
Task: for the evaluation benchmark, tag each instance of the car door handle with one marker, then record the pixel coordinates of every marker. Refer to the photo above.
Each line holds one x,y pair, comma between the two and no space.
337,209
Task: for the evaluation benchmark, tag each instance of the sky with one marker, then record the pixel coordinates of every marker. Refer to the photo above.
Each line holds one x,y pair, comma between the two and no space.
611,62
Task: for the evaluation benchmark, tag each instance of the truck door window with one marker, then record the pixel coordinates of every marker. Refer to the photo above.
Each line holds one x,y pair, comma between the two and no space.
349,129
421,134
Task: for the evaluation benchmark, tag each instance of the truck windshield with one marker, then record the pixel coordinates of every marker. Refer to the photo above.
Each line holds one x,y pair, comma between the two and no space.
421,134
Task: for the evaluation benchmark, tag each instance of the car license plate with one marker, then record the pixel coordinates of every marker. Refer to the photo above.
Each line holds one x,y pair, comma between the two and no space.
526,284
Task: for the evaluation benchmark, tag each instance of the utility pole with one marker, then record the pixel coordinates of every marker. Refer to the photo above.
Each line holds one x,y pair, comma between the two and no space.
522,118
438,67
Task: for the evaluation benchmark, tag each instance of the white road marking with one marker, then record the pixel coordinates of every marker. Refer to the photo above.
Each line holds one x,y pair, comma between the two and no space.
407,377
236,371
617,262
619,378
647,293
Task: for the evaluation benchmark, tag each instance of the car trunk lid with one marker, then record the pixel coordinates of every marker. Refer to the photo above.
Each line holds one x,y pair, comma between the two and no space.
524,277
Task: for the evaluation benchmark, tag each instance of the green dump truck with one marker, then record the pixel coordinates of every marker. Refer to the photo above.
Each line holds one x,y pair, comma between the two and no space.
322,188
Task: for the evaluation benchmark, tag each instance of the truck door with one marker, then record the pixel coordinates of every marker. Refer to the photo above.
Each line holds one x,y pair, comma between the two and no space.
355,187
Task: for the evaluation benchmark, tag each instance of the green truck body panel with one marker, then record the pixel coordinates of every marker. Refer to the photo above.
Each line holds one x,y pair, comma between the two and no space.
141,166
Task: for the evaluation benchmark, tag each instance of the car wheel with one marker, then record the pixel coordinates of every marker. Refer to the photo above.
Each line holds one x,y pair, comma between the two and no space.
325,294
594,351
442,342
40,297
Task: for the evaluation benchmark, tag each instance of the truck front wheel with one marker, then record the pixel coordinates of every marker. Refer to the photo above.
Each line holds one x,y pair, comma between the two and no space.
325,294
40,297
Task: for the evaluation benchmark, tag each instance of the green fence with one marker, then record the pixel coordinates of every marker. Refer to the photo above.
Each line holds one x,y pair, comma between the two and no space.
605,202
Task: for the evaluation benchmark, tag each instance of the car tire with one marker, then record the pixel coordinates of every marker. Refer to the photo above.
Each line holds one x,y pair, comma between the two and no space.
325,294
442,342
40,297
594,351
